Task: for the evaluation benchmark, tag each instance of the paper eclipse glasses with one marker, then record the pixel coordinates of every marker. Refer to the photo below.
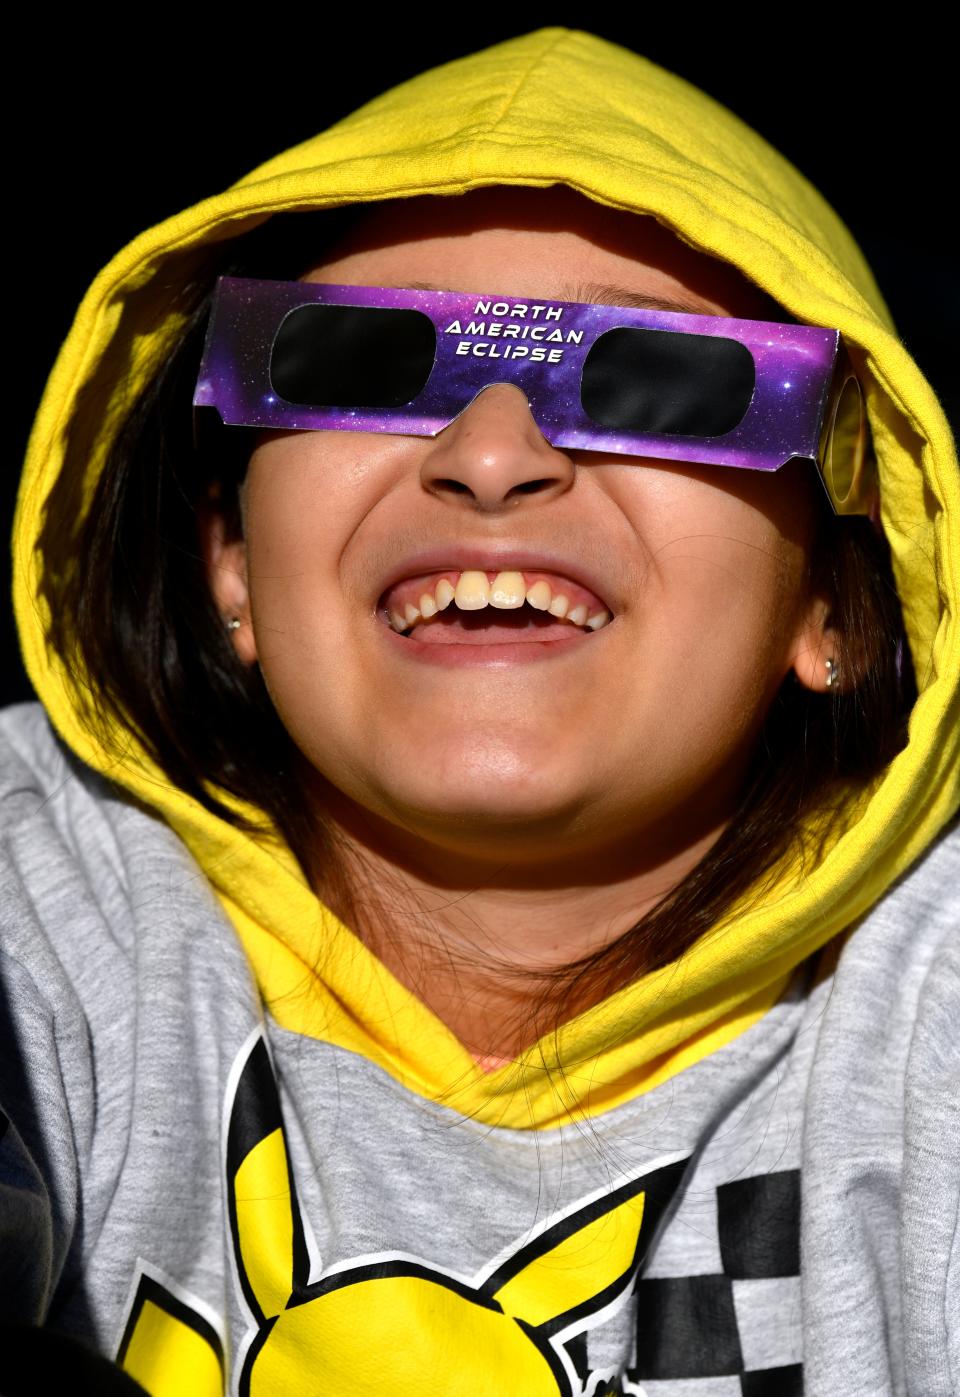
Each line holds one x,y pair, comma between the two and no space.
703,389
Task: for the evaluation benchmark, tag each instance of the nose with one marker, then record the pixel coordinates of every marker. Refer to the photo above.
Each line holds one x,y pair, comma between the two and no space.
494,454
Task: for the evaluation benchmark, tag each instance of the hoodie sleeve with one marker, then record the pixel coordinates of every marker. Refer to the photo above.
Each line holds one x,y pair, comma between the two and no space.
881,1166
46,1101
52,970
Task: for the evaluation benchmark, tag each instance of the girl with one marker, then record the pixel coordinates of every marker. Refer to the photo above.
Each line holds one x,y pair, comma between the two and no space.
481,918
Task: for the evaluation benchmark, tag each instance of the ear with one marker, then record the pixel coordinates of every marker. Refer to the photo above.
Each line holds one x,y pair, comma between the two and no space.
225,559
816,657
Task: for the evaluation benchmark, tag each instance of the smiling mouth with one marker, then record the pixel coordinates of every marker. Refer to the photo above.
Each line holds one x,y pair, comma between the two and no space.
487,608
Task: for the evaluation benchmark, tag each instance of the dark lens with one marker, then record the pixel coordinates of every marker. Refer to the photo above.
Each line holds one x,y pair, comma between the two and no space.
659,383
352,356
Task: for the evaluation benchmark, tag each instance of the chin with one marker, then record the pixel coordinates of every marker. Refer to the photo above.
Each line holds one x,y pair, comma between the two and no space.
481,815
499,779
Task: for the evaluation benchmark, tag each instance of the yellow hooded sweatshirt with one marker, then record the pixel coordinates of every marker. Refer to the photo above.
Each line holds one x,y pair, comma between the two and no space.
551,107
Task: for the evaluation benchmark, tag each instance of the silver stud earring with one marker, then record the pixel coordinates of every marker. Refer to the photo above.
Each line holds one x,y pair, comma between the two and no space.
233,624
833,672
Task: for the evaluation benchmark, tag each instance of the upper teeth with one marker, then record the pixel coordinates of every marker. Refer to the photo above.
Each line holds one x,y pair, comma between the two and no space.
508,590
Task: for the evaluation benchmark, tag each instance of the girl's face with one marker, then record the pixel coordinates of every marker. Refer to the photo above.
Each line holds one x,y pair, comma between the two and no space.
490,735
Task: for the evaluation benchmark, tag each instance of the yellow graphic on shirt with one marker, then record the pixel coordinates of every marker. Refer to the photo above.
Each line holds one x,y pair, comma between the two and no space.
397,1325
169,1347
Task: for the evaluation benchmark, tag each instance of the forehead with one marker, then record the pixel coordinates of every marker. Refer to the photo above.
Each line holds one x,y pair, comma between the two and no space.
537,242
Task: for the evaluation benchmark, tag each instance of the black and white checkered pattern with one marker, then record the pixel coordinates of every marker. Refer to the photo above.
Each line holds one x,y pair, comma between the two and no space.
733,1332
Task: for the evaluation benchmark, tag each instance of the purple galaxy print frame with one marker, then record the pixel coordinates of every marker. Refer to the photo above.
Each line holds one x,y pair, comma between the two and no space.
541,347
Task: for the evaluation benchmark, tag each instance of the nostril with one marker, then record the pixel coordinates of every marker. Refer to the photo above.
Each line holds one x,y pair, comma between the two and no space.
456,487
494,456
530,487
523,487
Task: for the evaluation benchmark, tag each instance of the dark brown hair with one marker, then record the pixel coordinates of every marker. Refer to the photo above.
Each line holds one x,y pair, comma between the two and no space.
132,613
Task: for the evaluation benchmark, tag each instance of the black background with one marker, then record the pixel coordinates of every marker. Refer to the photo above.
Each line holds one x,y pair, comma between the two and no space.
118,134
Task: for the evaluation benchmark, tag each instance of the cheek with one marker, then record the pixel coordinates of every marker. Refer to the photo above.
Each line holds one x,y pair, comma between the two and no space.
308,493
287,579
300,498
292,546
728,589
309,503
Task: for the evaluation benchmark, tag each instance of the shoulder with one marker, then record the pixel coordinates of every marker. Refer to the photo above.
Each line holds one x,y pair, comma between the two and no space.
54,811
46,883
913,928
900,961
65,916
929,891
887,1059
41,781
881,1160
47,1086
119,976
98,896
101,903
77,851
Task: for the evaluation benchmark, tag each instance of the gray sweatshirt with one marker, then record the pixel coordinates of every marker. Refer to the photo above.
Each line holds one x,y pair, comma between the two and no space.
224,1205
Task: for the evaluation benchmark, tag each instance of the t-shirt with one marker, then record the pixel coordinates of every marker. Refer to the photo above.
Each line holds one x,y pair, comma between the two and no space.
212,1198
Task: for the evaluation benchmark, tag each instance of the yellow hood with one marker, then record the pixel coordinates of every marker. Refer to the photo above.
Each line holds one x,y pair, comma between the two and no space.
553,106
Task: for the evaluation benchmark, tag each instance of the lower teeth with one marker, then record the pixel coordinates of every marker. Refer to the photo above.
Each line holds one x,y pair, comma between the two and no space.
478,620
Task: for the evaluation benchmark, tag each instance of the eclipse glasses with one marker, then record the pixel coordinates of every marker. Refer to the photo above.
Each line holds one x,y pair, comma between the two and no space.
703,389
